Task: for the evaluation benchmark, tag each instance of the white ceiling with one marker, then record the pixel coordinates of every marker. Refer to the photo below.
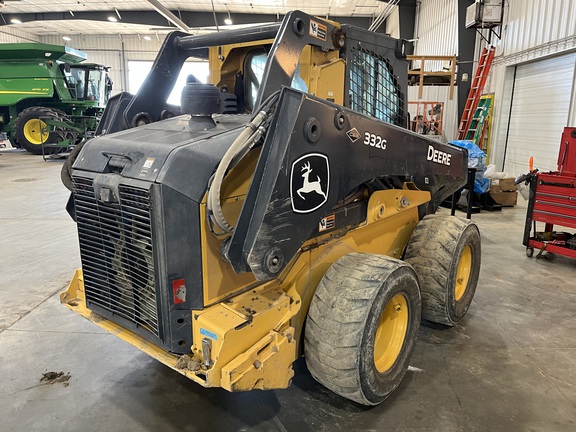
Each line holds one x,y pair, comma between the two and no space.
42,28
87,27
315,7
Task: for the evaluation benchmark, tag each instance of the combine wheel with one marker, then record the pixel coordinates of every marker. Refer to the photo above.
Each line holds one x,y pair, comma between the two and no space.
362,326
31,132
445,252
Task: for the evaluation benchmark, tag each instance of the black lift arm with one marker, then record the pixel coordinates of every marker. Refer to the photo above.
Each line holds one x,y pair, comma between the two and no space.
296,31
314,154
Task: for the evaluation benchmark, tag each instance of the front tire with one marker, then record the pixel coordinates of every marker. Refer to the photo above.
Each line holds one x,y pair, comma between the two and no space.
31,132
445,252
362,326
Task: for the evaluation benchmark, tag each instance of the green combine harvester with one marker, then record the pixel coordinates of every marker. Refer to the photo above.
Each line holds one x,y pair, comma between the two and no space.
49,96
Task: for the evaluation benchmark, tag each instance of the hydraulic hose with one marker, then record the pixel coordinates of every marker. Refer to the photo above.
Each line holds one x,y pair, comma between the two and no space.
249,136
239,147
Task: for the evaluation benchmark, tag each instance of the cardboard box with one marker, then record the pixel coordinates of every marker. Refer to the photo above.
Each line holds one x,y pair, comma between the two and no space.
503,185
505,199
507,184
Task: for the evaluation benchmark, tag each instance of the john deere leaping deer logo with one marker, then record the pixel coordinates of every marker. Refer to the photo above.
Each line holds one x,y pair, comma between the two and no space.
309,186
309,182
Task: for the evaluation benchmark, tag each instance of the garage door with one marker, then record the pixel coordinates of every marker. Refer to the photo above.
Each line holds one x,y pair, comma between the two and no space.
540,107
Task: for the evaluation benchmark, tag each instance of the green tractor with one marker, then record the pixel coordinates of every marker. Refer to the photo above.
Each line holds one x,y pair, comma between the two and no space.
49,96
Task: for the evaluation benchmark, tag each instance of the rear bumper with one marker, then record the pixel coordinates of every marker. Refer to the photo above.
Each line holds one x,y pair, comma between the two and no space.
246,352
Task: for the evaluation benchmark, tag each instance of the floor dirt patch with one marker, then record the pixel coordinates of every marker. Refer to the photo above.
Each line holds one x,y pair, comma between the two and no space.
25,180
56,377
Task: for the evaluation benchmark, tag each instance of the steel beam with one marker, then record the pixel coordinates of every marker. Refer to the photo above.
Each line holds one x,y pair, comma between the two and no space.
162,10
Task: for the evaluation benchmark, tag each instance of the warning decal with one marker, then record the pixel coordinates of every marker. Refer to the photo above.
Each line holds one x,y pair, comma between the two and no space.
327,223
318,30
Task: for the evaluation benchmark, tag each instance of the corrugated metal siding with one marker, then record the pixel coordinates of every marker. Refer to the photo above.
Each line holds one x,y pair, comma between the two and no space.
539,113
12,35
134,48
501,84
533,30
437,33
393,23
440,94
107,50
537,22
436,30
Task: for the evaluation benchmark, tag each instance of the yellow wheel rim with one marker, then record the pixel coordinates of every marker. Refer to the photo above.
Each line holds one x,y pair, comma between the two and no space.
33,131
463,272
390,333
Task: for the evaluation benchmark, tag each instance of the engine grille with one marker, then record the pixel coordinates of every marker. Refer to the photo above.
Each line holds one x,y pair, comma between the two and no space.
374,89
117,255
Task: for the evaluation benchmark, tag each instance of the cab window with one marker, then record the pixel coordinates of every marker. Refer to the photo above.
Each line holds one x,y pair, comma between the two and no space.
254,71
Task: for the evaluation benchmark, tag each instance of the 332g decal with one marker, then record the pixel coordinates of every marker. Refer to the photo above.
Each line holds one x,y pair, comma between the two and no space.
374,140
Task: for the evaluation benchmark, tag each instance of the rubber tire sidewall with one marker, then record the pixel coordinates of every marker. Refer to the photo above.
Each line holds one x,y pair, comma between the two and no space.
66,172
23,118
457,309
377,386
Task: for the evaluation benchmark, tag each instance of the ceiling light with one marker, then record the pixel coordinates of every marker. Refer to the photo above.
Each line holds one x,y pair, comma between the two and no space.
15,21
147,38
113,19
228,21
66,38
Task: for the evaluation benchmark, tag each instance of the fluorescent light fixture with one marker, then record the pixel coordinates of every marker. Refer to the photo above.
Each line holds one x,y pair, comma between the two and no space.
112,18
228,21
147,38
66,38
15,21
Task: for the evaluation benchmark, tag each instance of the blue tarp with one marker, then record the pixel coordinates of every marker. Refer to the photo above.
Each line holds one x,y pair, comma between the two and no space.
476,159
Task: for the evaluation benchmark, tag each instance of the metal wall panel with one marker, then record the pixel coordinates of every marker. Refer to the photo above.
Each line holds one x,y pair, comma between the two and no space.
114,52
537,22
436,29
14,35
501,83
393,23
539,113
533,30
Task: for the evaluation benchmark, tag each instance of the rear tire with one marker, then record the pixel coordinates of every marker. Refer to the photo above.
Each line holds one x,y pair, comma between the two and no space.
445,252
28,129
362,326
66,172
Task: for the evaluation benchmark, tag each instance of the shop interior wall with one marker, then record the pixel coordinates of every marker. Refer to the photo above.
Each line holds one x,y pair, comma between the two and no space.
113,51
532,30
436,33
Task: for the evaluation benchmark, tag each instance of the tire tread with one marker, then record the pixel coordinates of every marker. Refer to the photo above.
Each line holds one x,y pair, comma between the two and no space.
332,345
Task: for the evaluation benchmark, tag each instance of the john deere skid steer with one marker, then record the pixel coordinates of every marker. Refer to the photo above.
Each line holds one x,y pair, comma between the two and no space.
288,212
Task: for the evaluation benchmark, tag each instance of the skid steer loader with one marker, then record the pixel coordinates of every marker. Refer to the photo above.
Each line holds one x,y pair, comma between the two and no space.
287,212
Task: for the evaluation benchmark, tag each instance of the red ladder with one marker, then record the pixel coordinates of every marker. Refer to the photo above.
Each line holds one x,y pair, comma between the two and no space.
476,90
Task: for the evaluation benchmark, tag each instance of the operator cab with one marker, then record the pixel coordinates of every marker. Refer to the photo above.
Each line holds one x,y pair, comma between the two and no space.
254,65
88,82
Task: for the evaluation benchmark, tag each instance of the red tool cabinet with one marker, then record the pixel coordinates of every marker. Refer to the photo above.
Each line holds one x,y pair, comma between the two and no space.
553,202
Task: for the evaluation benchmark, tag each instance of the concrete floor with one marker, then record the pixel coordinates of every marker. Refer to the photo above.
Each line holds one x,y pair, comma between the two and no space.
509,366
